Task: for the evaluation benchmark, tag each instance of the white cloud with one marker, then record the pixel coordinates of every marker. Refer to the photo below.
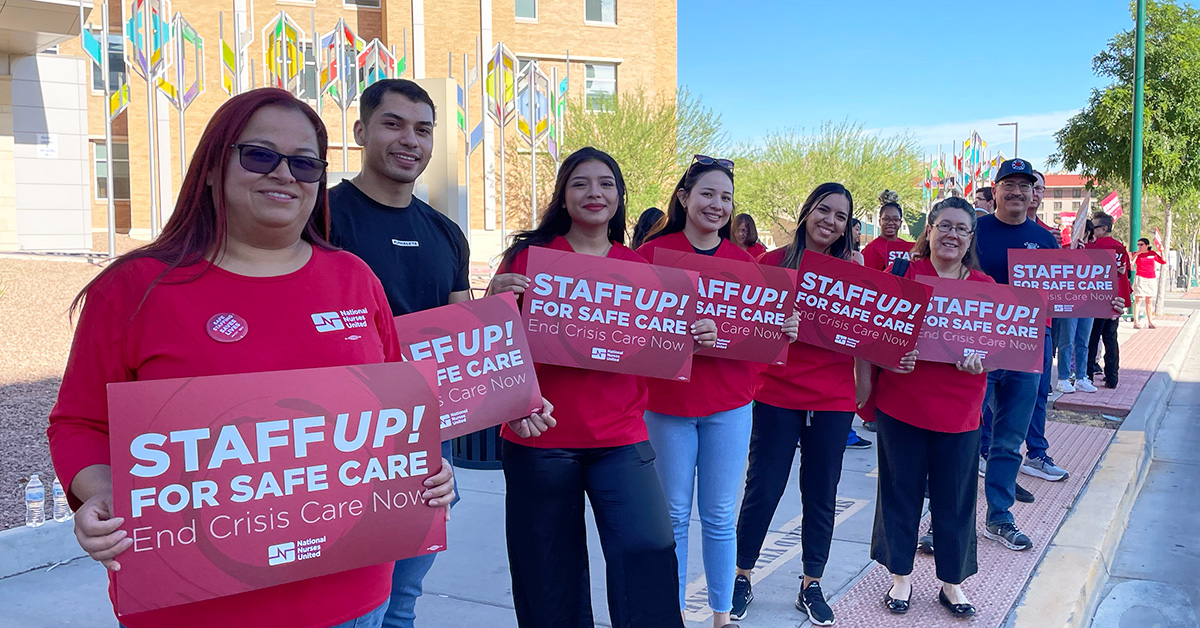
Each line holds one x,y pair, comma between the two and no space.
1031,127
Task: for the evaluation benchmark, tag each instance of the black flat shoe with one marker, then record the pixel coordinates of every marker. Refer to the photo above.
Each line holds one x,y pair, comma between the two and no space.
961,611
898,607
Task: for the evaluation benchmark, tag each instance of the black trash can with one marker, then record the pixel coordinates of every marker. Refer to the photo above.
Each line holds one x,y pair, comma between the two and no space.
478,450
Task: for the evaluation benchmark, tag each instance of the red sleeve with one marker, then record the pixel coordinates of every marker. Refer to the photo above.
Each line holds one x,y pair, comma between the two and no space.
1158,257
78,429
874,256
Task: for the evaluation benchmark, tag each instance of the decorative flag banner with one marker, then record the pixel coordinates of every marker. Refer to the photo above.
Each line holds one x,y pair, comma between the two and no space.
500,84
1001,323
533,105
375,63
188,82
235,65
259,479
749,303
1157,240
1112,205
283,57
859,311
1079,283
610,315
558,105
147,52
485,372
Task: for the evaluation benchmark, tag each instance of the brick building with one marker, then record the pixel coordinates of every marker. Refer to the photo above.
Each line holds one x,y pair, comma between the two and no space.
53,166
1066,193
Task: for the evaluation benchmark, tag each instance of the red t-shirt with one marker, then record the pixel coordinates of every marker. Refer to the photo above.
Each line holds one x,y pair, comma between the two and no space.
716,384
880,252
934,396
814,378
117,340
756,250
1146,264
1109,242
593,408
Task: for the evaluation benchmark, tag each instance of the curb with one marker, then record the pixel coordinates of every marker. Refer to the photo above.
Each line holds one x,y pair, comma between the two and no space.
24,549
1065,587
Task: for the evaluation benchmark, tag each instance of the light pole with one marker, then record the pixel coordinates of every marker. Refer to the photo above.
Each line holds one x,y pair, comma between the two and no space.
1139,83
1015,128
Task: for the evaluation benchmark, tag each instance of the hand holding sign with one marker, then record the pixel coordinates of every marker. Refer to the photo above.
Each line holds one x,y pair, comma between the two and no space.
994,321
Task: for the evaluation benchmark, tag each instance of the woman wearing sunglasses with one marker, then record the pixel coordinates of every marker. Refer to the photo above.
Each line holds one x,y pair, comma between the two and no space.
599,448
928,425
888,246
243,242
700,429
1145,282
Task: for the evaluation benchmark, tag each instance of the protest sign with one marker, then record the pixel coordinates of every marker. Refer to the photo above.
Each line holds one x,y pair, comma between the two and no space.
485,372
859,311
232,483
1003,324
749,303
1079,283
610,315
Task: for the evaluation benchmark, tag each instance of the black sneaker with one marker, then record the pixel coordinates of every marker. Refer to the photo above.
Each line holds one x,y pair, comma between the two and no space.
743,595
1008,535
859,443
925,544
1024,496
812,601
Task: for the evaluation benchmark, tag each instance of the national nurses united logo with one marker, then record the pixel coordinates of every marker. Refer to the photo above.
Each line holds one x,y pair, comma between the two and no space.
341,319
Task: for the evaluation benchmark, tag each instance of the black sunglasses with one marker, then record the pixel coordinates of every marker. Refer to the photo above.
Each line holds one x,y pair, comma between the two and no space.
260,160
705,160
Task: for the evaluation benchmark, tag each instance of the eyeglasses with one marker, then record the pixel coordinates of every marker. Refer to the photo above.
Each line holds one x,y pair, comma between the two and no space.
890,219
1010,186
260,160
705,160
962,231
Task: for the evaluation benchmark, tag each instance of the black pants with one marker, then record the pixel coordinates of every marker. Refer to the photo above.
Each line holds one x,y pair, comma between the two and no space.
908,456
1105,329
822,437
547,537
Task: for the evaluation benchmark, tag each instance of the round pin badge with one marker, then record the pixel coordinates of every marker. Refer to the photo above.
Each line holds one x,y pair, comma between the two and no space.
227,327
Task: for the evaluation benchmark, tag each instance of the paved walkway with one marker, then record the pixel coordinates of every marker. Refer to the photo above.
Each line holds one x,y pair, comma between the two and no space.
1141,351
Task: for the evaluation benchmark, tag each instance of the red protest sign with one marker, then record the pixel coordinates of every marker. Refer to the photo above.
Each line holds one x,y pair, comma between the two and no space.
749,303
1001,323
485,372
859,311
254,480
609,315
1078,283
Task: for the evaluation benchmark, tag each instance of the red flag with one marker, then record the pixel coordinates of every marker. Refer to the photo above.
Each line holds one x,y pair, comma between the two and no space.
1157,239
1112,205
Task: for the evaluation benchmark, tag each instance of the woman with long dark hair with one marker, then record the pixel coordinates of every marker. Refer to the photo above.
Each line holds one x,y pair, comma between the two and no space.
811,399
745,235
928,425
700,428
644,226
888,246
242,242
600,448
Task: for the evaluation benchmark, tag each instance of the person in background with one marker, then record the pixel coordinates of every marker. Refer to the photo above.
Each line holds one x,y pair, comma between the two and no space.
1105,329
854,441
856,234
1035,200
984,201
700,429
928,422
811,398
1145,284
599,449
888,247
1072,343
745,235
244,239
645,225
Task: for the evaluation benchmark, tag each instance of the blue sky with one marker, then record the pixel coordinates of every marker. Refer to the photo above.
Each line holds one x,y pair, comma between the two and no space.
936,68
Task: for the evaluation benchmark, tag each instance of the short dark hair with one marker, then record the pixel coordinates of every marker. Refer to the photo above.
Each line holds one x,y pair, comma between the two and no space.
985,192
373,96
1103,220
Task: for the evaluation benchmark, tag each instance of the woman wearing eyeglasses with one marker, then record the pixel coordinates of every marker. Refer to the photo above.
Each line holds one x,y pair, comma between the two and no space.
1145,282
888,247
700,429
243,242
928,426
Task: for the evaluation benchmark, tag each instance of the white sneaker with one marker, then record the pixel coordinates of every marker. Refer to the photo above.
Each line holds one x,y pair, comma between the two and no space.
1044,468
1065,387
1085,386
982,467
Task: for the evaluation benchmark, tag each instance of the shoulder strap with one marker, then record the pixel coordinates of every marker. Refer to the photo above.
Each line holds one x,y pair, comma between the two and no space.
900,267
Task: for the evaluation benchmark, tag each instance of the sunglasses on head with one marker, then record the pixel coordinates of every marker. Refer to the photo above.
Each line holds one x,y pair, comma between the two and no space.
261,160
705,160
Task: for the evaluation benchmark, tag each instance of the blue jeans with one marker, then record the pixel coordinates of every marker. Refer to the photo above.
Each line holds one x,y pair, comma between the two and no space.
706,455
1071,345
1011,396
1035,440
373,619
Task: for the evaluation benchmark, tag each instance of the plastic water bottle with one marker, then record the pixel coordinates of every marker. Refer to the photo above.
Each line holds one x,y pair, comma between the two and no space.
62,510
35,502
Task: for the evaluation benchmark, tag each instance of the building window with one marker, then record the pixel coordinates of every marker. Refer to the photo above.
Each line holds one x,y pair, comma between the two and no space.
1077,193
600,11
52,50
527,9
116,64
362,4
120,166
1057,206
308,88
1057,193
1075,206
600,86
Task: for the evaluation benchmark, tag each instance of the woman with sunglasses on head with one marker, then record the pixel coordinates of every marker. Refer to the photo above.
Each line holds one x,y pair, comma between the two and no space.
700,429
888,246
811,399
928,425
745,235
243,241
599,448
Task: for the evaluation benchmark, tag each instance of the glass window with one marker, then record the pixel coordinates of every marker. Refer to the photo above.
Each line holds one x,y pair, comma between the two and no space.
362,4
120,166
1057,193
1075,206
600,86
116,64
308,89
52,50
1057,206
1077,193
527,9
604,11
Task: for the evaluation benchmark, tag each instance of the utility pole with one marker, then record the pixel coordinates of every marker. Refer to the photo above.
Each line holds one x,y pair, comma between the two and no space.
1139,88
